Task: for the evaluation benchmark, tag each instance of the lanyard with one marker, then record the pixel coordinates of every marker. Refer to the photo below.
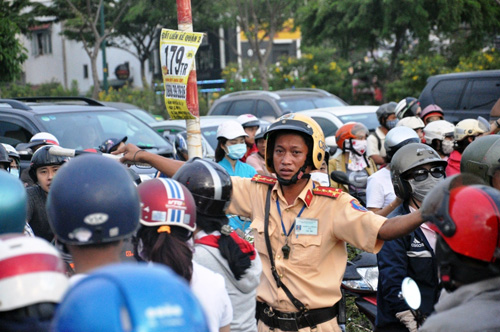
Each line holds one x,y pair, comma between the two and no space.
286,248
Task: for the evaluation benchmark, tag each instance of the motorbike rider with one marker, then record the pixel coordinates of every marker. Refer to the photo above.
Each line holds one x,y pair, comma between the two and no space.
439,135
36,142
482,158
415,123
93,206
250,124
415,169
300,286
32,282
466,219
130,297
4,159
380,196
431,113
256,159
353,161
466,131
15,160
42,171
387,118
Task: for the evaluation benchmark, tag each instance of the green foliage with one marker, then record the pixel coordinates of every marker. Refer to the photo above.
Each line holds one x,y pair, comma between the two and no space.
51,89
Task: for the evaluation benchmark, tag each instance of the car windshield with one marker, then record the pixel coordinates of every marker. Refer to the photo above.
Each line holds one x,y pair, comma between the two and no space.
84,130
142,115
368,119
210,134
297,104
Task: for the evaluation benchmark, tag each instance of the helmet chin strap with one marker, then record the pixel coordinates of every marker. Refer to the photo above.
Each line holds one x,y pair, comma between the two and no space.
297,176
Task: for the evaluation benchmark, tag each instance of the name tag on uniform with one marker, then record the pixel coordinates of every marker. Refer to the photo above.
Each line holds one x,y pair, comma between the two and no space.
304,226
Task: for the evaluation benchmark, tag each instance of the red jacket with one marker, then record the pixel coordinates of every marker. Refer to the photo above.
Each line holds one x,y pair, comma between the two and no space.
453,163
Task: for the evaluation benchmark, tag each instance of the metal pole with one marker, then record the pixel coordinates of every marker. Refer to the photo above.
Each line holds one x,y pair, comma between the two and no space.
103,48
185,23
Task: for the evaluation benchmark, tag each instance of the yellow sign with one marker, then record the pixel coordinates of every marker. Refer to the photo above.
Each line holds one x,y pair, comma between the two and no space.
177,52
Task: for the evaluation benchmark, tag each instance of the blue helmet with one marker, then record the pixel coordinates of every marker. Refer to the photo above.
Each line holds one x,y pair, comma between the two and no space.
93,200
130,297
12,204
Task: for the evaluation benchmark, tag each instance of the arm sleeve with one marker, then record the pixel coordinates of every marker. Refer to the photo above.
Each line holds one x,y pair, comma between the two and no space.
254,162
393,268
241,198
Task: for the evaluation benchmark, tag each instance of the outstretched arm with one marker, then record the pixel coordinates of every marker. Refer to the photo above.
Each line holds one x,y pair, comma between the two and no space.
135,155
399,226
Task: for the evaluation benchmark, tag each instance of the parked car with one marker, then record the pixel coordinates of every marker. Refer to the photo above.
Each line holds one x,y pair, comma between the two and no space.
208,126
463,95
271,105
331,118
134,110
78,123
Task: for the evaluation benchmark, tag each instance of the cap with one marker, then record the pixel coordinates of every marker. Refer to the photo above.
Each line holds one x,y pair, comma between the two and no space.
231,129
111,144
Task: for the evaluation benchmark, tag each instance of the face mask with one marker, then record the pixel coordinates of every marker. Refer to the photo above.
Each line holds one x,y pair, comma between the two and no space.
359,146
389,124
447,147
14,172
420,189
321,177
236,151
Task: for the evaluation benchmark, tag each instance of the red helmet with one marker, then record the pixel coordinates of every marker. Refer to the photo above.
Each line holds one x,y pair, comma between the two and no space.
166,202
349,131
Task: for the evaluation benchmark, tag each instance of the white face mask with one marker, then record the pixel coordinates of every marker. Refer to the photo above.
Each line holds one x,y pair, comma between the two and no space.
447,146
321,177
359,145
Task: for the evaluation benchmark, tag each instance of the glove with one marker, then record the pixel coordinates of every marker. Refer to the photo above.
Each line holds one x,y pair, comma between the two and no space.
407,318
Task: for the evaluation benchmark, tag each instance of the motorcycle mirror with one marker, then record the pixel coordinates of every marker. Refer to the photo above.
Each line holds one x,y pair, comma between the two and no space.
339,177
411,293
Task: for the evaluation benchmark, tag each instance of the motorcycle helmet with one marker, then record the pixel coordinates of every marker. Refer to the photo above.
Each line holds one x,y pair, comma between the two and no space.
299,123
348,132
111,144
44,138
4,158
482,157
12,152
93,200
469,127
398,137
407,107
384,111
12,204
413,122
230,129
438,130
466,215
32,272
407,158
431,110
248,120
41,158
130,297
209,183
261,133
167,202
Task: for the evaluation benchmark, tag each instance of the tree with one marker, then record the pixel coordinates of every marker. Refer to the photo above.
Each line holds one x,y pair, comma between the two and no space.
259,21
15,18
81,23
141,28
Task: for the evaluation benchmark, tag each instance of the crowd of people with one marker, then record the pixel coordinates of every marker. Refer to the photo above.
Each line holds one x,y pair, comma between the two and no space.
255,240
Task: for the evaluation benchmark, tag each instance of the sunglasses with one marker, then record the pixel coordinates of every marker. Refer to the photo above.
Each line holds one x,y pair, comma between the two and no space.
422,174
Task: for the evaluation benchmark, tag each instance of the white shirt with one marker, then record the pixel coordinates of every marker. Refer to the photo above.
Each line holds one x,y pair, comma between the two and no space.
379,189
210,289
372,144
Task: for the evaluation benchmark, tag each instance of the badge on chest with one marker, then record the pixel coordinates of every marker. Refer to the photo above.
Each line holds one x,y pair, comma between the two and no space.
306,226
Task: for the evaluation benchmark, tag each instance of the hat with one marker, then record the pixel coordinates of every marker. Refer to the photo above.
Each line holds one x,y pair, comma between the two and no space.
44,138
248,120
111,144
231,129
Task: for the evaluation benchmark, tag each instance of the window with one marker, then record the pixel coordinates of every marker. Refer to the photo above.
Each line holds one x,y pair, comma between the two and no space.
13,134
328,127
447,93
264,109
483,94
85,71
240,107
221,109
41,41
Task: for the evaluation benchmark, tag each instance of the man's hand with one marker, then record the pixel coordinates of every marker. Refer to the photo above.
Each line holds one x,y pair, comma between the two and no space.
131,153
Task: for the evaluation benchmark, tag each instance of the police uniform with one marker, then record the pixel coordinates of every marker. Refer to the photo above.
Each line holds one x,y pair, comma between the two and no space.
317,260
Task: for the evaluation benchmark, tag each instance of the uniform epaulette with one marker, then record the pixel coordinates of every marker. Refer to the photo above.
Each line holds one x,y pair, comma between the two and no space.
264,179
327,191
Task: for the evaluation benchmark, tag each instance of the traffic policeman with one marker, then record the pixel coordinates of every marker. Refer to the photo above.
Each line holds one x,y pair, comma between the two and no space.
300,228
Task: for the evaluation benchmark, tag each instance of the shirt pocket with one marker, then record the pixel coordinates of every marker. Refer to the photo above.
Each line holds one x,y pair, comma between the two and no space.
259,237
306,250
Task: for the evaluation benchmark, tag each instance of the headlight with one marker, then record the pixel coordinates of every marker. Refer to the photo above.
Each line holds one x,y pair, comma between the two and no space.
370,276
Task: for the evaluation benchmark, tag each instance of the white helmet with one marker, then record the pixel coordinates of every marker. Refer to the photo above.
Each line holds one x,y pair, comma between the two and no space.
32,272
438,130
469,127
248,120
231,129
413,122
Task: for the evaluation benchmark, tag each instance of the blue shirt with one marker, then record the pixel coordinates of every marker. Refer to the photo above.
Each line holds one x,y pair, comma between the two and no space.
240,169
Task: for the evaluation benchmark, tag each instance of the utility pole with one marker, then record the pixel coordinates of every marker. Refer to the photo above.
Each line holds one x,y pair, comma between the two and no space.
103,48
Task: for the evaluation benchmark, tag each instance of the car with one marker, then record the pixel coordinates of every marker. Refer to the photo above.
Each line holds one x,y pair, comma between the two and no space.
78,123
271,105
463,95
134,110
208,126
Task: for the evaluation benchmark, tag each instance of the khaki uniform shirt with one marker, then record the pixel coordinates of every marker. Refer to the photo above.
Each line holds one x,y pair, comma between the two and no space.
316,264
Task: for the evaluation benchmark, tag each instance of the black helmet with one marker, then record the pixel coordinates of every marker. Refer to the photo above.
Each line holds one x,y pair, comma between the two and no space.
93,200
209,183
482,157
385,110
4,157
408,157
42,157
407,107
